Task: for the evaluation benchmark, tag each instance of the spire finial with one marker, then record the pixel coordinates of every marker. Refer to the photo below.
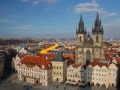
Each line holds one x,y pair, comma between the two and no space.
97,17
81,28
81,19
81,23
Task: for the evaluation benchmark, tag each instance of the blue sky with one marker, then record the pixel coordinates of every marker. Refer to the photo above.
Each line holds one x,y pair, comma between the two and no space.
56,18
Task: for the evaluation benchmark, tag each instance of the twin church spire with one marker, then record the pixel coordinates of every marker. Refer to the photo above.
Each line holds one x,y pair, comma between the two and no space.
98,28
81,27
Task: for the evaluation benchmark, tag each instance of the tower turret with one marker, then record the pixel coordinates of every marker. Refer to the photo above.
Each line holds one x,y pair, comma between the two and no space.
97,31
81,32
81,28
98,28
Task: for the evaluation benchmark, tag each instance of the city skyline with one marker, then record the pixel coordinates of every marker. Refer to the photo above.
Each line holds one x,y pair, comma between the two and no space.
56,18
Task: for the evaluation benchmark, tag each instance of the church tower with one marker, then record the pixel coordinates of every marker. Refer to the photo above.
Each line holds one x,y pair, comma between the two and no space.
98,32
81,35
81,32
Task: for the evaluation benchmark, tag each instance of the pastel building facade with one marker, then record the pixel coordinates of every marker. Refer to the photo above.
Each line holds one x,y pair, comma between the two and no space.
59,71
35,69
75,75
101,74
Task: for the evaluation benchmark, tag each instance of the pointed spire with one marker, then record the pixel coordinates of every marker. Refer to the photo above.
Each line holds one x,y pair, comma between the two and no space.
81,28
81,23
97,17
97,21
97,25
76,30
102,31
92,29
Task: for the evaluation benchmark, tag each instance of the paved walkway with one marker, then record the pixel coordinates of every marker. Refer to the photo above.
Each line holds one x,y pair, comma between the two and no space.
13,83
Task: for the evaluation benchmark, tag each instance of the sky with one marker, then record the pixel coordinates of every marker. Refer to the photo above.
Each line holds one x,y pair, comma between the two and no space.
56,18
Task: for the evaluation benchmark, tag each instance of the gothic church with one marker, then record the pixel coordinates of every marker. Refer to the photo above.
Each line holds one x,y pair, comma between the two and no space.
89,46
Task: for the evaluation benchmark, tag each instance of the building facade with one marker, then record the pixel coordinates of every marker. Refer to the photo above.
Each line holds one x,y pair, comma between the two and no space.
34,69
59,70
75,74
89,47
101,74
97,73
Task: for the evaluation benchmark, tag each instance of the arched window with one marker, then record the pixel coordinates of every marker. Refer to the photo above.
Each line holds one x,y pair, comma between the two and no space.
80,39
88,56
97,39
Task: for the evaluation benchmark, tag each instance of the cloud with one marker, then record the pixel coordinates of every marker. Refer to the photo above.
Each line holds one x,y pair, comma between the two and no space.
92,7
86,7
36,2
109,14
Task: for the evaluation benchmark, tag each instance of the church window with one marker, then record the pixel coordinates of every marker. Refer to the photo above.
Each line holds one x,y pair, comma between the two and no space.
60,67
80,39
80,52
97,39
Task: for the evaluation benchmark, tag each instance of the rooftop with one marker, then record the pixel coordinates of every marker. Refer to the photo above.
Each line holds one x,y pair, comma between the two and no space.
59,57
39,60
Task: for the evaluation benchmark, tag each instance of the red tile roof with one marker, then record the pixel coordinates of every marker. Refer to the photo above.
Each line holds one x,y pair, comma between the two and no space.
39,60
115,46
76,66
110,53
68,56
99,63
118,60
108,56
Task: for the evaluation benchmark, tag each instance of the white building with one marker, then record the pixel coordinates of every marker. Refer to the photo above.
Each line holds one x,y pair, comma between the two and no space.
97,73
16,61
34,69
75,75
23,51
101,74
